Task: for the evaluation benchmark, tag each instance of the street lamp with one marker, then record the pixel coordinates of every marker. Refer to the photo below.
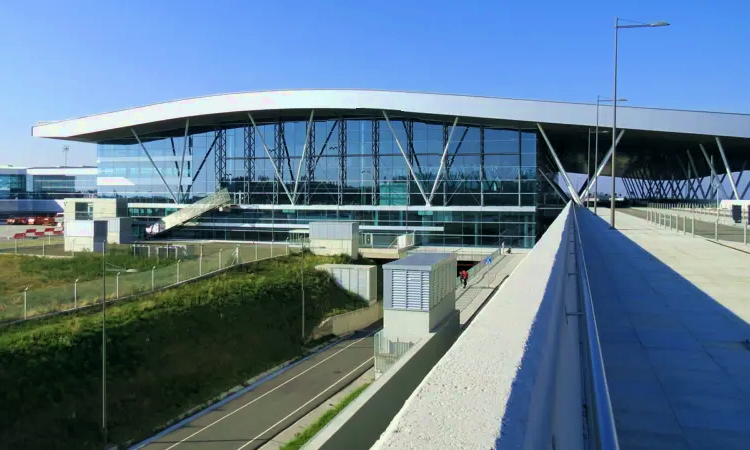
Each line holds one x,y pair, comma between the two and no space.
599,100
614,105
104,334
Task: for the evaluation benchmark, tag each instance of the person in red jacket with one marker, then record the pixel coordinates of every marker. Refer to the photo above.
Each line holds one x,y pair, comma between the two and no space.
464,277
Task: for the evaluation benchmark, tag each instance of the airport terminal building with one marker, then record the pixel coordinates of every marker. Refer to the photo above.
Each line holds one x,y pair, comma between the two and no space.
453,170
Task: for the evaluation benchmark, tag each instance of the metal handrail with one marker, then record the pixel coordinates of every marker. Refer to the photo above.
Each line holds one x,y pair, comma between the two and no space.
602,430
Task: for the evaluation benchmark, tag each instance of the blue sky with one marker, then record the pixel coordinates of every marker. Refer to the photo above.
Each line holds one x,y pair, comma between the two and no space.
74,58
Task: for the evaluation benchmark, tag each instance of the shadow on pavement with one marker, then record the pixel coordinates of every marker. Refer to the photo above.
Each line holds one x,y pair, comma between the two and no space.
676,361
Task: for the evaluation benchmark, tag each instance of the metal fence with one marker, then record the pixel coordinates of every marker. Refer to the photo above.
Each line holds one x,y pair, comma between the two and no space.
204,260
388,350
697,220
598,411
42,246
481,267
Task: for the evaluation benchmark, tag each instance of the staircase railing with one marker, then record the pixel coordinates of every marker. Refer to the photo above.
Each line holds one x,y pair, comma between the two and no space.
192,211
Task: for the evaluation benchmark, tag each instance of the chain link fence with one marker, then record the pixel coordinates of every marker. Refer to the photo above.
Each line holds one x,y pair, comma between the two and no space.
186,262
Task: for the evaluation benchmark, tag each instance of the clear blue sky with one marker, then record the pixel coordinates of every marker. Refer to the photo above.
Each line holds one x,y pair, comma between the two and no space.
62,59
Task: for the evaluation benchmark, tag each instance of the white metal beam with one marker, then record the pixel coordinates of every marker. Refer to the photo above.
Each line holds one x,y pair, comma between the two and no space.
555,186
442,160
270,158
158,172
726,166
713,171
302,159
182,164
603,163
411,169
571,188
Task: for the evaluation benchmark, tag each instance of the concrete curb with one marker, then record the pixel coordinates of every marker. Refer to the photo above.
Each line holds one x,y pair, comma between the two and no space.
231,394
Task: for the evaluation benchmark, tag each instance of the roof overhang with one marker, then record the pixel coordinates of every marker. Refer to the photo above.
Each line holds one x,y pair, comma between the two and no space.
208,112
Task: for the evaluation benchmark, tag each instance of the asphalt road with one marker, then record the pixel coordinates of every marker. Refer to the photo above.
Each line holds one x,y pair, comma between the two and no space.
702,228
252,419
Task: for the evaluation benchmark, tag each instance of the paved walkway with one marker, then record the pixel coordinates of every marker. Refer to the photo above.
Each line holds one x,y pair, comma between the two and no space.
470,299
672,313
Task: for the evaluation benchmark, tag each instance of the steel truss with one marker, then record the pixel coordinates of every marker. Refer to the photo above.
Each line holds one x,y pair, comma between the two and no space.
220,159
375,160
248,162
310,165
342,162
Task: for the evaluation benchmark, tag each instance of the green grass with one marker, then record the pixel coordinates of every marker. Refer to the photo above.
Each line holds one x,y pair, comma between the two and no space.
308,433
50,280
167,352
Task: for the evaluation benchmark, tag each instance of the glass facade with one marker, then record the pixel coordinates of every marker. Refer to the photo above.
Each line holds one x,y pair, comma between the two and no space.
353,169
12,184
40,183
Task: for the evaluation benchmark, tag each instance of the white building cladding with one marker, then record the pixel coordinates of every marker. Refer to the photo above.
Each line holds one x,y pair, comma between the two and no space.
457,170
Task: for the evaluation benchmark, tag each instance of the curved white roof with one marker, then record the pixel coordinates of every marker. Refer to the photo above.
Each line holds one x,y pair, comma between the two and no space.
117,124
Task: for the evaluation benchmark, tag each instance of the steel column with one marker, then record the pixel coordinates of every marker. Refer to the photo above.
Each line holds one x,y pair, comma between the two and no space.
695,171
158,172
342,160
726,166
220,160
713,170
310,124
182,163
442,159
310,166
403,153
249,155
603,163
268,153
571,188
375,159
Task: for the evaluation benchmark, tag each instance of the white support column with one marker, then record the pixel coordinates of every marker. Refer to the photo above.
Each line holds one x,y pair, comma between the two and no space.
302,159
442,160
182,164
411,169
695,173
726,166
571,188
603,163
270,158
158,172
713,171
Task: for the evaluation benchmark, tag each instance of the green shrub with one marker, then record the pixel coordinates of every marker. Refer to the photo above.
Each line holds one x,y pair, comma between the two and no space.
166,352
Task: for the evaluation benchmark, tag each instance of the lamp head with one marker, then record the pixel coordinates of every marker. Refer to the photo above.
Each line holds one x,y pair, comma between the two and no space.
659,24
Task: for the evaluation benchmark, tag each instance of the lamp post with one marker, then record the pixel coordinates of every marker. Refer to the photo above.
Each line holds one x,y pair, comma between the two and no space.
599,100
614,106
104,335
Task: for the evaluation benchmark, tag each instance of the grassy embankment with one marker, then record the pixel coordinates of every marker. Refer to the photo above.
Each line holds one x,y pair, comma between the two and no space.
50,280
167,352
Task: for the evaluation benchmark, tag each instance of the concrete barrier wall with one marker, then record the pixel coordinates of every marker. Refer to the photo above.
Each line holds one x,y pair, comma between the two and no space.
512,379
361,423
347,322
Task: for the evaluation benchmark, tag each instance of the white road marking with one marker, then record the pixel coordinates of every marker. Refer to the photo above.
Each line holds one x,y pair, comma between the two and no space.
272,390
307,403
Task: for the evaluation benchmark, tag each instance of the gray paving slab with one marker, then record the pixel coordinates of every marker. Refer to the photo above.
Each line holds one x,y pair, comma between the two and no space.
673,314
